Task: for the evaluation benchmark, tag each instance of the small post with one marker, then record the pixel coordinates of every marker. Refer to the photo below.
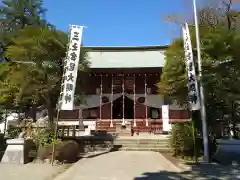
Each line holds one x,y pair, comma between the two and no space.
134,101
123,106
101,94
194,141
5,123
111,123
145,95
55,137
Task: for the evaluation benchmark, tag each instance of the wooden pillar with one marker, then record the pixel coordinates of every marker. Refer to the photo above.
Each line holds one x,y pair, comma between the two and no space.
145,93
80,122
111,123
134,101
123,89
101,89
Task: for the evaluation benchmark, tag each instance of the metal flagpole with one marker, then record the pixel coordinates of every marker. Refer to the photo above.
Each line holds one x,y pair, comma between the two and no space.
203,109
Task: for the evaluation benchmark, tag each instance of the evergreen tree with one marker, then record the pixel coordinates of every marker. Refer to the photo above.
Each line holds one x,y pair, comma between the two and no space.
18,14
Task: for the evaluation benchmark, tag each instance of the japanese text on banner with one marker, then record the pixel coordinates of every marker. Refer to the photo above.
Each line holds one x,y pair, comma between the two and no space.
193,92
71,69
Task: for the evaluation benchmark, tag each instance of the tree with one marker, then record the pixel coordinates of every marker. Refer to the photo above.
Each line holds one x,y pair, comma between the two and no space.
21,13
214,13
36,66
16,15
220,79
219,29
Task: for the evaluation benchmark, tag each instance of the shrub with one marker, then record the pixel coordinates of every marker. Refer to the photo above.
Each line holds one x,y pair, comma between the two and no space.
65,152
45,152
68,152
13,132
182,140
42,136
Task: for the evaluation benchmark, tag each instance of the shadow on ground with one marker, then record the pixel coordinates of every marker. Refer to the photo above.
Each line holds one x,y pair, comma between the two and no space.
201,171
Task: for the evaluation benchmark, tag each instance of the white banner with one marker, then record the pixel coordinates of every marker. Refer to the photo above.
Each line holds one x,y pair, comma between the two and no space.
71,68
165,118
193,92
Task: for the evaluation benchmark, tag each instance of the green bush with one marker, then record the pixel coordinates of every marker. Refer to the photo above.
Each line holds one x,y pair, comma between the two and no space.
44,137
13,132
45,152
68,152
65,152
182,140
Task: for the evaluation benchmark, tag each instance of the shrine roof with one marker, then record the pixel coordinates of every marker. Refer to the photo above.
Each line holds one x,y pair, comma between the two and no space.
126,57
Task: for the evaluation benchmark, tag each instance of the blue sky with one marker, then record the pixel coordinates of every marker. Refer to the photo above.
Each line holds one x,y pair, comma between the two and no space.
118,22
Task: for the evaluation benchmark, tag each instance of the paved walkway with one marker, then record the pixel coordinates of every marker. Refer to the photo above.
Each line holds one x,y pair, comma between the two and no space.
30,171
120,165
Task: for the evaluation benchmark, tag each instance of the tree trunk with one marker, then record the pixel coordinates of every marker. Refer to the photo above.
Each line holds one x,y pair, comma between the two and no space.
233,122
50,112
34,112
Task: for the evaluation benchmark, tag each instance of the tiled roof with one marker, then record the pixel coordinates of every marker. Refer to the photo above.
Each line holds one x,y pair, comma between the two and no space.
126,57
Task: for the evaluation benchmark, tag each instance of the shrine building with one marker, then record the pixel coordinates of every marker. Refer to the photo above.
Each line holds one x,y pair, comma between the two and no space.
120,91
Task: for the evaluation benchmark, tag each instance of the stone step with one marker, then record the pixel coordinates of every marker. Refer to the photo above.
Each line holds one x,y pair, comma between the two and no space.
146,149
143,145
139,138
140,142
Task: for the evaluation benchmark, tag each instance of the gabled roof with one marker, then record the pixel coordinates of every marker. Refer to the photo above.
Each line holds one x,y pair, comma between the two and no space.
125,48
126,57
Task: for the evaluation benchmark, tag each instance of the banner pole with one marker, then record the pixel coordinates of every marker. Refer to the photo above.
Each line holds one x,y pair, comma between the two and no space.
202,99
69,83
55,137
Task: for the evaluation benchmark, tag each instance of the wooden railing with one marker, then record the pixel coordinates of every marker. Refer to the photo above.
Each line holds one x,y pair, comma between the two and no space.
154,126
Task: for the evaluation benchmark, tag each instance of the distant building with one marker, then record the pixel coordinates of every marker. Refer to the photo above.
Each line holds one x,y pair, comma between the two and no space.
121,90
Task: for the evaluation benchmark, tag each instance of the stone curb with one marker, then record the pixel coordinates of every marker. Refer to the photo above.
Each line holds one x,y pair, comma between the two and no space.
169,163
94,154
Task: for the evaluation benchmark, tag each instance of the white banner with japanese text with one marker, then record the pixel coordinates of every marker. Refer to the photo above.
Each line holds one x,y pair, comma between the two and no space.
71,68
193,92
165,118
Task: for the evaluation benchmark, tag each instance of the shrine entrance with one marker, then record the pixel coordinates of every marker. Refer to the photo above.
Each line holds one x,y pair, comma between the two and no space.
123,107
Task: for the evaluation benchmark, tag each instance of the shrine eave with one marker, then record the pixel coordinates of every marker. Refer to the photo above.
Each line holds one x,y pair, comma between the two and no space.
126,57
125,48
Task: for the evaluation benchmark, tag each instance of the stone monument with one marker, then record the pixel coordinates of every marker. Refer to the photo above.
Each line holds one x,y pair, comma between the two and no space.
17,151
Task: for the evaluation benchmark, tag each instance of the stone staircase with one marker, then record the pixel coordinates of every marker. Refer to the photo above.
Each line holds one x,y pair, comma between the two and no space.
158,143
